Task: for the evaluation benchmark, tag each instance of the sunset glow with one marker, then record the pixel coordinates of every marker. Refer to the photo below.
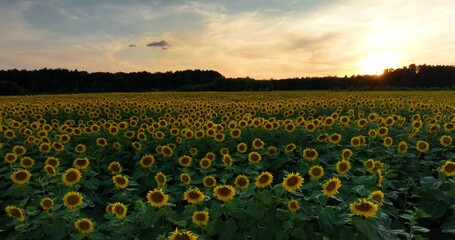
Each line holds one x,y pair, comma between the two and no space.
258,38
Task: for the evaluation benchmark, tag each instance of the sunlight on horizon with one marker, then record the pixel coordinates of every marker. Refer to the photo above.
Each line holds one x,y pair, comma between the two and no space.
376,63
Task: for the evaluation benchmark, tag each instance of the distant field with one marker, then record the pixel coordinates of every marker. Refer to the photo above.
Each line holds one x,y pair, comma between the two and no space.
253,165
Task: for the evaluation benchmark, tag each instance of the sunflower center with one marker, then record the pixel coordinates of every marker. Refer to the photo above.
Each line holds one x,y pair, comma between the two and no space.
84,225
157,197
71,176
200,217
422,145
209,181
311,153
446,140
369,164
224,191
21,176
254,157
450,168
47,203
120,180
241,181
194,195
185,161
182,236
316,171
331,186
15,212
364,207
185,178
147,161
160,178
73,199
293,205
355,142
115,168
264,179
81,162
50,170
343,167
377,198
11,158
119,210
292,181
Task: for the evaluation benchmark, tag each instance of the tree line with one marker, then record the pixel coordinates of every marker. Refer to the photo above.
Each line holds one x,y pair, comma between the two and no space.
44,81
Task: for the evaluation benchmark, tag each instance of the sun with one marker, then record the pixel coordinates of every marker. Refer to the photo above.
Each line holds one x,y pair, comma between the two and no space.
374,64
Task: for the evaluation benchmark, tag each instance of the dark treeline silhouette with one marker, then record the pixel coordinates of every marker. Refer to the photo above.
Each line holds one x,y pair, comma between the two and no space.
17,82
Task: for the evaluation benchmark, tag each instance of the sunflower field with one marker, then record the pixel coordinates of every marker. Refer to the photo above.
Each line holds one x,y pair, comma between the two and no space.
275,165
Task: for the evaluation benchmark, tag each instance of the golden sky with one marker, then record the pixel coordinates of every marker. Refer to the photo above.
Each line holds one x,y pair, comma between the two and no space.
261,39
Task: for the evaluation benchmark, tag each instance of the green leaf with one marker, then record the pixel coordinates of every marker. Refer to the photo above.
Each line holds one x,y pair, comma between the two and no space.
449,226
430,182
58,230
255,210
420,229
226,229
265,196
368,227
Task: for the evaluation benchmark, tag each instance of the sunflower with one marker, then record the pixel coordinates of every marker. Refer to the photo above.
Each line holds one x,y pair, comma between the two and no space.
380,178
448,168
388,141
19,150
363,208
10,158
185,178
57,146
346,154
224,192
119,210
160,179
101,142
27,162
322,137
209,181
445,140
55,162
316,172
84,225
264,179
335,138
343,167
187,235
257,144
147,161
355,141
422,146
193,196
448,127
402,147
185,161
271,150
383,131
21,176
378,196
80,148
372,133
193,151
117,146
46,203
72,199
254,157
369,165
242,147
71,176
136,145
45,147
157,198
310,154
242,182
227,160
293,205
115,167
331,186
15,212
120,181
9,134
292,182
200,217
205,163
235,133
50,170
81,163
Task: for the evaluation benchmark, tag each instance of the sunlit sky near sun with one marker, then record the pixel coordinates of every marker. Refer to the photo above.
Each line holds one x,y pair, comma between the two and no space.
257,38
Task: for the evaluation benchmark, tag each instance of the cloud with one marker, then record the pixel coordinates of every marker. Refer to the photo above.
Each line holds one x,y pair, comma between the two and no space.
162,44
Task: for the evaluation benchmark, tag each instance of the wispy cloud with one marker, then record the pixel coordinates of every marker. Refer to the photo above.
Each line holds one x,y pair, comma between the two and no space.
162,44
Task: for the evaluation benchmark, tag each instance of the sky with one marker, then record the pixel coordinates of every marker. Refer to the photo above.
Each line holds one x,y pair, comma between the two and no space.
262,39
